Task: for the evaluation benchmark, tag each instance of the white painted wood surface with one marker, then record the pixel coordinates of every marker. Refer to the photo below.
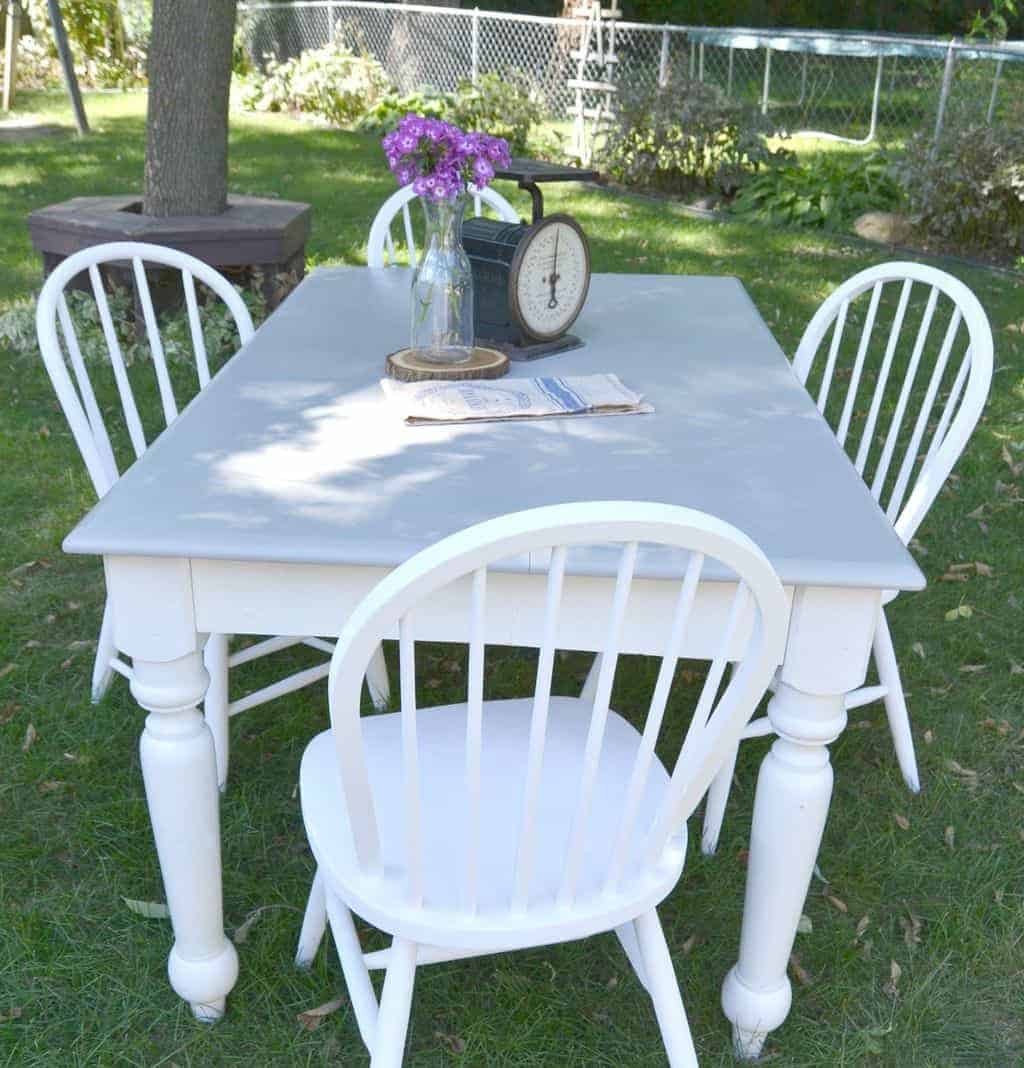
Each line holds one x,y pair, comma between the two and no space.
905,457
283,493
500,825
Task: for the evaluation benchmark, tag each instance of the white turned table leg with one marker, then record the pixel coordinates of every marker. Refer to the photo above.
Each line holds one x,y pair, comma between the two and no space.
790,808
180,774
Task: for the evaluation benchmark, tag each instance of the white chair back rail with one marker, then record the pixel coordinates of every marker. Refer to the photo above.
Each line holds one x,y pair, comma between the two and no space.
382,249
74,388
720,714
903,455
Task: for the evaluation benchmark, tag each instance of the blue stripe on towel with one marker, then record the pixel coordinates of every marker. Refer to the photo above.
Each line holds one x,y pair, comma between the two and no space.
562,394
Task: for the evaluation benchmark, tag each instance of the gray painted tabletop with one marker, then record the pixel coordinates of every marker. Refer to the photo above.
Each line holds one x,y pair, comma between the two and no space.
291,454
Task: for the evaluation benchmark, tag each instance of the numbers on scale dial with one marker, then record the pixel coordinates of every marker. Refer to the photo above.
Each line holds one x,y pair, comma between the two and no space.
552,279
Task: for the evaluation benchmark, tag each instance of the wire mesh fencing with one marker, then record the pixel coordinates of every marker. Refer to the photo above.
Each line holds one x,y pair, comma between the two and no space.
853,87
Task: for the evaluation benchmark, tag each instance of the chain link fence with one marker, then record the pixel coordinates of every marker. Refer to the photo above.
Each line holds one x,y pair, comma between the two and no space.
852,87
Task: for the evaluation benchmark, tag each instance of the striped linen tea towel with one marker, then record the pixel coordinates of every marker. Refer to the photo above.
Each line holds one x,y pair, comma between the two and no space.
436,403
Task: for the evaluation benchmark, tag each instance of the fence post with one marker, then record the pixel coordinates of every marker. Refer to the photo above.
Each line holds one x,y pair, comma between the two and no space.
693,59
700,63
995,86
872,129
11,52
728,85
474,46
947,82
663,59
767,79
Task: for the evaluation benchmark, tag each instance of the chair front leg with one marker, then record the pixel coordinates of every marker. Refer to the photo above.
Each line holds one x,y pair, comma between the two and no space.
714,805
377,680
664,990
314,923
106,650
395,1003
215,706
895,703
357,978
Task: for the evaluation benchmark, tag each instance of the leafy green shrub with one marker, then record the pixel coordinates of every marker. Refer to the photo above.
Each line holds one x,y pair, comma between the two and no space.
108,39
18,328
828,193
501,105
332,83
391,108
967,192
686,137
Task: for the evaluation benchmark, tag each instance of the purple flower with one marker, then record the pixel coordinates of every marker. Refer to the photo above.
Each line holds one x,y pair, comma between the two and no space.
438,159
483,171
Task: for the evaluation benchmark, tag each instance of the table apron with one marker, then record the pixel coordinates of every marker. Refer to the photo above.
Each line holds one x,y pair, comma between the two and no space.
306,599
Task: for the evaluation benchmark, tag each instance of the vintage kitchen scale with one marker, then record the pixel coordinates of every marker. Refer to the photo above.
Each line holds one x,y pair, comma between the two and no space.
530,280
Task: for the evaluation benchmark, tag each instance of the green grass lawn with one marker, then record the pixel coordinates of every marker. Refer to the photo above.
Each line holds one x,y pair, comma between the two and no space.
929,889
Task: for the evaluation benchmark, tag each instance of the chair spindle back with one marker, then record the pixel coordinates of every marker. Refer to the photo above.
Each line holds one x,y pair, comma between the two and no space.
753,637
886,418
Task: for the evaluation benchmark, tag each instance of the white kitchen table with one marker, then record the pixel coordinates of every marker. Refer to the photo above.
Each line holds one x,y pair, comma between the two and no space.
287,489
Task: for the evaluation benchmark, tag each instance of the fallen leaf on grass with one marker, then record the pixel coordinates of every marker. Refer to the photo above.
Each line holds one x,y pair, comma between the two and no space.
1015,668
918,648
65,664
311,1019
1002,728
963,611
804,925
243,929
453,1042
960,770
972,669
901,821
862,925
7,669
31,734
1015,468
800,973
949,834
152,910
8,712
892,986
837,903
929,737
687,947
911,925
48,786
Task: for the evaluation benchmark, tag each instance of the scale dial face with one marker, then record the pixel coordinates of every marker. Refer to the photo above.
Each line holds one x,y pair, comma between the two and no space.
549,277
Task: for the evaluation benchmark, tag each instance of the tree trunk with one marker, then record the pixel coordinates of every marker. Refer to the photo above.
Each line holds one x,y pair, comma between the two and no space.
187,123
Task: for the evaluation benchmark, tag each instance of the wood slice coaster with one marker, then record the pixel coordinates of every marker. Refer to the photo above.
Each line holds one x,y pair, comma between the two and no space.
405,366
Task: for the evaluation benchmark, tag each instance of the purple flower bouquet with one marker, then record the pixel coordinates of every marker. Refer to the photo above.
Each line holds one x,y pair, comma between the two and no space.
439,160
442,163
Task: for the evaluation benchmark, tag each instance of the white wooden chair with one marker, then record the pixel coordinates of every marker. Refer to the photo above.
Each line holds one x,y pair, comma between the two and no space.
940,373
492,826
381,248
82,410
